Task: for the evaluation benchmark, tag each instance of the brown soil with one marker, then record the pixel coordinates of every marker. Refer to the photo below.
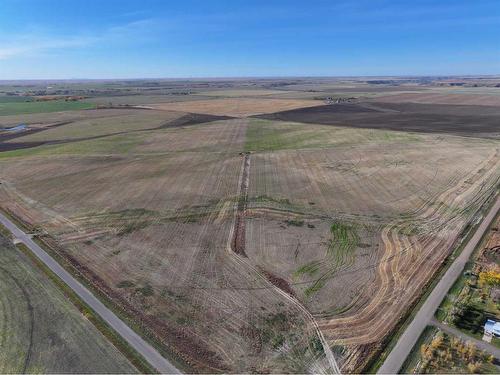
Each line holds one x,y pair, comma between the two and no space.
426,118
238,242
193,119
278,282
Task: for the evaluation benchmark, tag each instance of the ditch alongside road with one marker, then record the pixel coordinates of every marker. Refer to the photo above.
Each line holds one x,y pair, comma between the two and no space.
150,354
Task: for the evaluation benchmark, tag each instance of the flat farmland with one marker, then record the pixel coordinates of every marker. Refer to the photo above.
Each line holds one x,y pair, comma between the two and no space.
479,121
237,107
466,98
290,241
57,117
40,330
14,108
88,129
161,250
352,228
243,93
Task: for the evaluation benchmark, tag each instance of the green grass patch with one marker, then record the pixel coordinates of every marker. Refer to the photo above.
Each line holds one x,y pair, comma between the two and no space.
316,346
264,135
414,356
449,300
15,99
132,227
340,251
274,329
295,222
118,144
125,284
267,135
146,290
309,269
266,198
318,284
345,240
4,232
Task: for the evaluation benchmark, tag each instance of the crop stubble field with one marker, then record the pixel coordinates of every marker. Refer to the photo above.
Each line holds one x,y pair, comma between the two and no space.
252,244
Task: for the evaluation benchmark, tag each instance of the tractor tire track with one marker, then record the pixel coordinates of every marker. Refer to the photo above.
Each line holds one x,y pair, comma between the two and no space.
237,247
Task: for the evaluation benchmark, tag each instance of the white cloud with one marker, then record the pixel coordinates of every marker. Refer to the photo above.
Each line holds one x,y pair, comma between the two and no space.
36,42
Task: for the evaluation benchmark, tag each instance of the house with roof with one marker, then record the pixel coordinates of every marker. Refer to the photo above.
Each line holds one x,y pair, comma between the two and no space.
492,328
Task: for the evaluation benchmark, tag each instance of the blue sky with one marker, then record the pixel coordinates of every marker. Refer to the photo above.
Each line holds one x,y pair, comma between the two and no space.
126,39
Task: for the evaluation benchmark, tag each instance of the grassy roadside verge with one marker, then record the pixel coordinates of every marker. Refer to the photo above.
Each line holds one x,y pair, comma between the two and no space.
414,356
388,344
117,310
135,358
455,291
460,282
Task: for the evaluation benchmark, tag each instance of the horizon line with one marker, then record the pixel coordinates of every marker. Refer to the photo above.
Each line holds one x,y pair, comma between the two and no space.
407,76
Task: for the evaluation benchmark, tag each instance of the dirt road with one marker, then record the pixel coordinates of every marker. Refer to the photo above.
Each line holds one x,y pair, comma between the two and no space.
397,356
133,339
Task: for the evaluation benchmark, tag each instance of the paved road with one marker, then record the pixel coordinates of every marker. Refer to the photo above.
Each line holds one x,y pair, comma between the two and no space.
397,356
483,345
132,338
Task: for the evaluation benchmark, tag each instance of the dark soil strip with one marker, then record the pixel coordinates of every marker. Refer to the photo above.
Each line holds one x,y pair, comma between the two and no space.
19,146
459,120
13,135
238,241
278,282
193,119
186,120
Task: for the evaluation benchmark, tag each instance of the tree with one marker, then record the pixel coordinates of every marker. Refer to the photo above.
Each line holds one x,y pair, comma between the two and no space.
491,277
471,350
473,367
437,340
426,352
455,343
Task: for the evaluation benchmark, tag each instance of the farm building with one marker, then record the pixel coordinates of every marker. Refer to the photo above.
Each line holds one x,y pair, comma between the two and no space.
492,327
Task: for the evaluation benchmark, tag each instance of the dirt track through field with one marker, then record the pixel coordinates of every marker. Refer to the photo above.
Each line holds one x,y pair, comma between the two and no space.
238,247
